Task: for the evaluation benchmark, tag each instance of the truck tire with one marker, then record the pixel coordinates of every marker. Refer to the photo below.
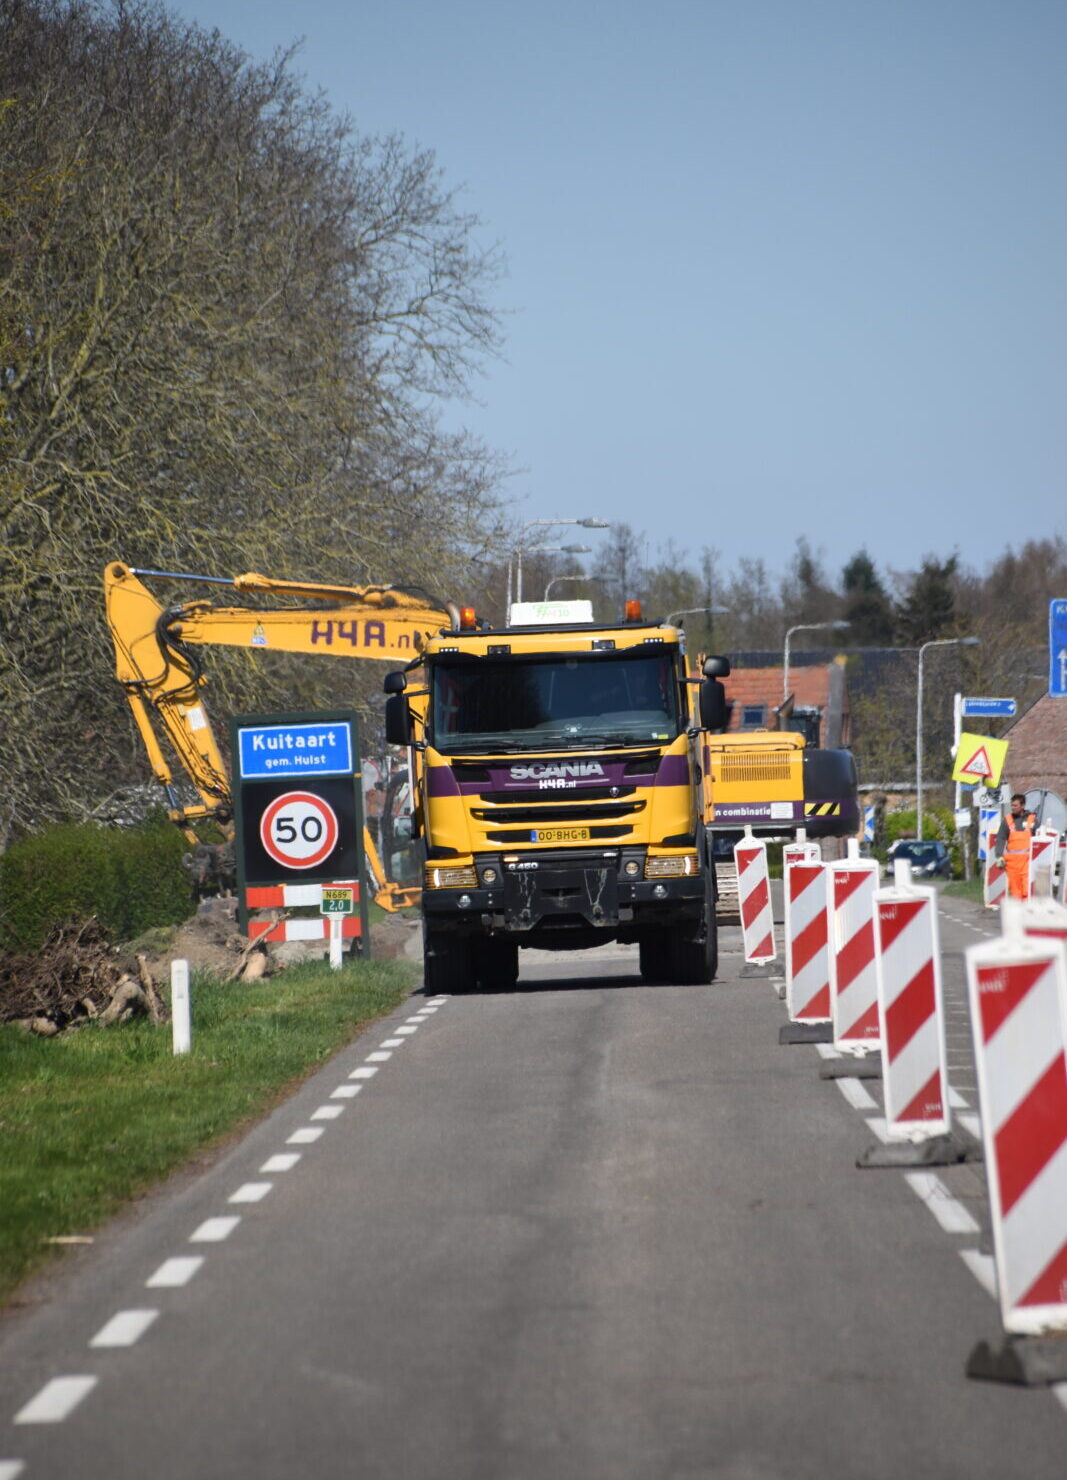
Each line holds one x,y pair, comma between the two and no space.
696,956
496,963
447,965
655,956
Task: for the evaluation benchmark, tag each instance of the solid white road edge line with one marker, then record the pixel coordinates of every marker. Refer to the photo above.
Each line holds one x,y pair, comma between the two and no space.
124,1328
952,1215
214,1230
174,1272
56,1400
856,1094
984,1269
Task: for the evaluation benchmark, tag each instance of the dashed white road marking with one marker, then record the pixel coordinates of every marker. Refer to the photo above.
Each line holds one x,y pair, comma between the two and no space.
328,1112
956,1100
1059,1388
124,1328
305,1136
214,1230
285,1161
56,1400
952,1215
379,1057
984,1269
345,1092
366,1072
392,1043
174,1272
973,1124
856,1094
250,1192
826,1051
10,1469
876,1125
411,1026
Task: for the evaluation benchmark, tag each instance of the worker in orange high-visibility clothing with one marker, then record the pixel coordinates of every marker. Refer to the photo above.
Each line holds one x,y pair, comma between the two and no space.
1014,841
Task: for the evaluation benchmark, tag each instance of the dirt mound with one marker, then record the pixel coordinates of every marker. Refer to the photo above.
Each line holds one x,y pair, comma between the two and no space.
77,975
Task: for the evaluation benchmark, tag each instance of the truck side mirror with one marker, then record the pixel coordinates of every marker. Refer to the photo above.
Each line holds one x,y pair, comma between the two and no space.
713,714
395,682
716,666
397,719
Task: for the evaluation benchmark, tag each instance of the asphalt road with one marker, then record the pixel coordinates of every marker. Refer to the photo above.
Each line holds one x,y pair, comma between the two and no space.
583,1228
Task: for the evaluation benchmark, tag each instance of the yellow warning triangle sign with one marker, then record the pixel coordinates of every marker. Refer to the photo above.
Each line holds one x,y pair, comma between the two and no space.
979,758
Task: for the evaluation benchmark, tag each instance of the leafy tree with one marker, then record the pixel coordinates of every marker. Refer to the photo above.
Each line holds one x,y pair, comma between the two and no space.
867,607
928,610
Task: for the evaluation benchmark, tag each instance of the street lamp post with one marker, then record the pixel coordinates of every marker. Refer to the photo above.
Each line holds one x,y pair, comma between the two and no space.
803,627
935,642
519,546
580,577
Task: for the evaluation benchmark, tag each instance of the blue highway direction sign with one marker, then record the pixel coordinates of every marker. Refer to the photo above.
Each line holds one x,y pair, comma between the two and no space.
989,708
1057,649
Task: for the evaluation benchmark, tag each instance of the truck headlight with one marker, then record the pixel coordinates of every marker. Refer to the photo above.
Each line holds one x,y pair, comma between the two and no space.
676,866
451,878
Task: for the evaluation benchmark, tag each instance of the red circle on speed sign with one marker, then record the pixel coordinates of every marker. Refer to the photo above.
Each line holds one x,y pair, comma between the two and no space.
299,829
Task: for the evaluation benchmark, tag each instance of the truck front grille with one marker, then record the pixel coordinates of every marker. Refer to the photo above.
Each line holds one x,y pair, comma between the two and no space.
534,816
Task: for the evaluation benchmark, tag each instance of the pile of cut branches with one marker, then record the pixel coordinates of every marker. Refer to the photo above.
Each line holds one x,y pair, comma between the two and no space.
76,977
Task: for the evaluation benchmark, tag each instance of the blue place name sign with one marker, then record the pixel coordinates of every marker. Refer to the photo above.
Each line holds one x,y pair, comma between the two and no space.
294,750
989,708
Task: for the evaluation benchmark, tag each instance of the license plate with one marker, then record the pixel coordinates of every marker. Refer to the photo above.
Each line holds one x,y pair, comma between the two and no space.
559,835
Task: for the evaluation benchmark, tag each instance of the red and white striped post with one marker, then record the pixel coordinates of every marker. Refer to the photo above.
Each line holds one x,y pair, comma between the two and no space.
754,892
1043,847
807,952
853,970
1018,998
914,1060
995,884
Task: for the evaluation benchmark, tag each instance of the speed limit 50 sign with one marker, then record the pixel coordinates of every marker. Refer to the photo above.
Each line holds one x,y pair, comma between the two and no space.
299,829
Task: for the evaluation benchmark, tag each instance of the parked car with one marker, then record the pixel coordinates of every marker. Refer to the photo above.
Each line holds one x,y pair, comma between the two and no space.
928,860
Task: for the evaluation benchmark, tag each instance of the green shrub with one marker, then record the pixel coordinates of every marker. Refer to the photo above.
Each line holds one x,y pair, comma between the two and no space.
131,878
939,823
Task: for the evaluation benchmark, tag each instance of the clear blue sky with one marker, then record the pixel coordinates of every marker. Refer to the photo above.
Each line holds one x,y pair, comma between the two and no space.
775,267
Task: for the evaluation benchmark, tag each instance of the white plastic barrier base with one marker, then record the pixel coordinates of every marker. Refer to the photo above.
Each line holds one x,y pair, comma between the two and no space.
1018,996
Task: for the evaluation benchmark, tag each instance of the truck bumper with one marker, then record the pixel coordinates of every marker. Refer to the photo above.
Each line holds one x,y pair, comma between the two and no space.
565,895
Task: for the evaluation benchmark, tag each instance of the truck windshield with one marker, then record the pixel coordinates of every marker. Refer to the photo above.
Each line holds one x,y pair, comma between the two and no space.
562,701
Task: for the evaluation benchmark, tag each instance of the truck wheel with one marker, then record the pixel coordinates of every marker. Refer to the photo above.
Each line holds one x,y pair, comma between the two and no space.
496,963
447,966
654,954
696,957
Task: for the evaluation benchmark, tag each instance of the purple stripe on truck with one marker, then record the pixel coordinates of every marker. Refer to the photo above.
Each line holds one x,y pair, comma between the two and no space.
673,771
441,782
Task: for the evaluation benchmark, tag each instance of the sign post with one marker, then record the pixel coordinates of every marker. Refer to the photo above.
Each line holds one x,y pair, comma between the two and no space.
298,809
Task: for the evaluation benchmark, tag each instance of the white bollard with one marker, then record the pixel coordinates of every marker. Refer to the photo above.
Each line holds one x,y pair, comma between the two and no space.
181,1017
1018,996
336,953
914,1060
754,893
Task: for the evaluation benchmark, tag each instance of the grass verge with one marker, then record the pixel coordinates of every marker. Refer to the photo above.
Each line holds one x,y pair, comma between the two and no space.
965,889
91,1119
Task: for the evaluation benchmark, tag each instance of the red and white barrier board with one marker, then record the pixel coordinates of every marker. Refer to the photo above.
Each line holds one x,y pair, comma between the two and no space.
307,927
1018,994
754,892
807,947
914,1061
291,896
995,885
1043,848
853,970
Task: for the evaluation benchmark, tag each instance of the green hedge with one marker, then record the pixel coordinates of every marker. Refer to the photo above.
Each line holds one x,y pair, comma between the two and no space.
132,878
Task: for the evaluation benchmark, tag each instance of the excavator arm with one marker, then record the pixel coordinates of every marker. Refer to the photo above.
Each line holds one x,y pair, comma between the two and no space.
162,676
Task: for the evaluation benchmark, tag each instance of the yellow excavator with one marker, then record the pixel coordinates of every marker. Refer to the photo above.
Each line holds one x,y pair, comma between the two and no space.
161,673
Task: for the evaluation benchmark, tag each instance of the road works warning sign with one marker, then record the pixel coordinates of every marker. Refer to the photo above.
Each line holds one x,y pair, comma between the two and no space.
979,758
